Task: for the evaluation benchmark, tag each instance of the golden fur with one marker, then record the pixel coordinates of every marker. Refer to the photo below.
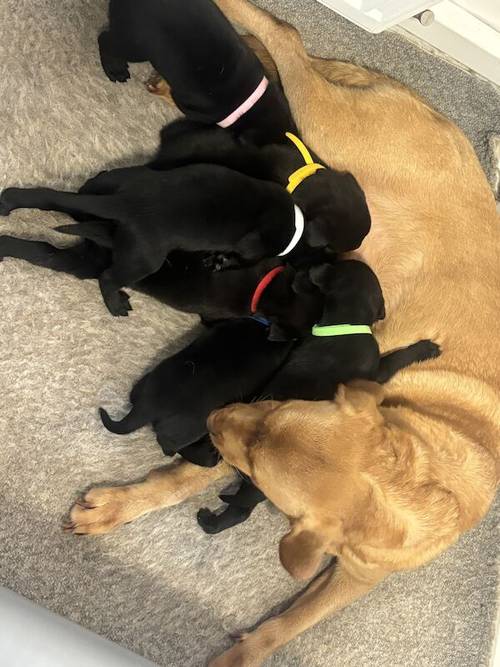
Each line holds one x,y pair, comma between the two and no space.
383,479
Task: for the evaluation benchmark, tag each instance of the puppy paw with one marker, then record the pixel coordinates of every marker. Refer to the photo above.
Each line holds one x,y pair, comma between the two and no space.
158,86
208,521
101,510
427,349
117,73
118,304
221,262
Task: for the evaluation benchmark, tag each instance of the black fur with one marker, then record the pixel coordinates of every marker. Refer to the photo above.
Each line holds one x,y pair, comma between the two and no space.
333,203
228,362
147,214
183,282
211,71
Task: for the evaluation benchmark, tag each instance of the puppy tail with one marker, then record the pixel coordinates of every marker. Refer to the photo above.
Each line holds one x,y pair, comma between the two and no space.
99,232
128,424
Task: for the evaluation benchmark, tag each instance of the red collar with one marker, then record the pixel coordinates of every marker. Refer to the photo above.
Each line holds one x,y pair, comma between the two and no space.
263,283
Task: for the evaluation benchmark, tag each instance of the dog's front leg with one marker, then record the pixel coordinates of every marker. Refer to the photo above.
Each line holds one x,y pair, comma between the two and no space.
102,509
330,592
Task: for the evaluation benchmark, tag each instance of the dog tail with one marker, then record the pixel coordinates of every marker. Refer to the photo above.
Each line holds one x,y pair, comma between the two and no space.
128,424
99,232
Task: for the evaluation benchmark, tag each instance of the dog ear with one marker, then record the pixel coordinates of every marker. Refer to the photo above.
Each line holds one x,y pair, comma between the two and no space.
359,396
302,283
322,276
279,333
301,552
318,232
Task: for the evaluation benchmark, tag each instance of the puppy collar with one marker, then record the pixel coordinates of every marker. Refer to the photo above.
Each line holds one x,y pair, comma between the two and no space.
340,329
262,285
246,105
299,230
310,167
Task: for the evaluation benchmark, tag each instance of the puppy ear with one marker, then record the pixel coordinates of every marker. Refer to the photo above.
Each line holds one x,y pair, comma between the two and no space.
360,396
322,276
302,283
279,333
301,553
318,233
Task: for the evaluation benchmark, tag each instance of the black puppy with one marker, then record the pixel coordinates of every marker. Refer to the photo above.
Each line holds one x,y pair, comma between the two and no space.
145,214
334,206
213,73
341,348
183,282
230,361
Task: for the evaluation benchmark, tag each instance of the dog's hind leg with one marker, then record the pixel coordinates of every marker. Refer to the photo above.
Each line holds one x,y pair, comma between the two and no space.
393,362
130,265
45,199
102,509
83,261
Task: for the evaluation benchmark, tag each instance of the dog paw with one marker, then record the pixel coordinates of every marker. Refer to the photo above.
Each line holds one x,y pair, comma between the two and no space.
427,349
236,656
208,521
220,262
117,74
101,510
157,86
118,304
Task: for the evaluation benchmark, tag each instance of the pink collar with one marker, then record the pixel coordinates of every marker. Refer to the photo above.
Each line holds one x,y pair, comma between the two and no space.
246,105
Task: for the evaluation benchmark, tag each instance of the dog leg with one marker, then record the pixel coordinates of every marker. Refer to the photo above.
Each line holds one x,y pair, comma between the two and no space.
333,590
393,362
240,506
83,261
102,509
114,66
46,199
131,264
115,299
212,523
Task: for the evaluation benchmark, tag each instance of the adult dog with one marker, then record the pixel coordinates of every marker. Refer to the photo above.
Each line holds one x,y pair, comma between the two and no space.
394,476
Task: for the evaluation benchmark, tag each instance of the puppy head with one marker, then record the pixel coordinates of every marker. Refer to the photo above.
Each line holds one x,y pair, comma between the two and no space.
336,211
304,456
292,303
349,282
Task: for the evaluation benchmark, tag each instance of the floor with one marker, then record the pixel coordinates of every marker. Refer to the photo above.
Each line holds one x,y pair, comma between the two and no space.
159,586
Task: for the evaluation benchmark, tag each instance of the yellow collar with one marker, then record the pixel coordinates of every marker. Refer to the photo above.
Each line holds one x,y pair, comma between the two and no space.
309,168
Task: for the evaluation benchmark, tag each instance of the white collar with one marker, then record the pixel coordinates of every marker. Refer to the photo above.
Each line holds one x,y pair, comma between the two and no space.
299,230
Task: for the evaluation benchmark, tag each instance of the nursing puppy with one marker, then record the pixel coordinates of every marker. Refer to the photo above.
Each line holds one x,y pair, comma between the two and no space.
210,69
333,204
216,78
265,289
145,214
341,348
230,361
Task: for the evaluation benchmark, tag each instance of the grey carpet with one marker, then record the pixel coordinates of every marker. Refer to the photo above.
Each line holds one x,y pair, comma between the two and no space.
159,586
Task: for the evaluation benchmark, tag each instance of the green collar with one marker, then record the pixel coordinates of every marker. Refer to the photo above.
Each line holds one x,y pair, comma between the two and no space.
340,329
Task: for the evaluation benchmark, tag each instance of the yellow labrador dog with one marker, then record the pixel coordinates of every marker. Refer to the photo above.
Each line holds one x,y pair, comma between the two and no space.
387,479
